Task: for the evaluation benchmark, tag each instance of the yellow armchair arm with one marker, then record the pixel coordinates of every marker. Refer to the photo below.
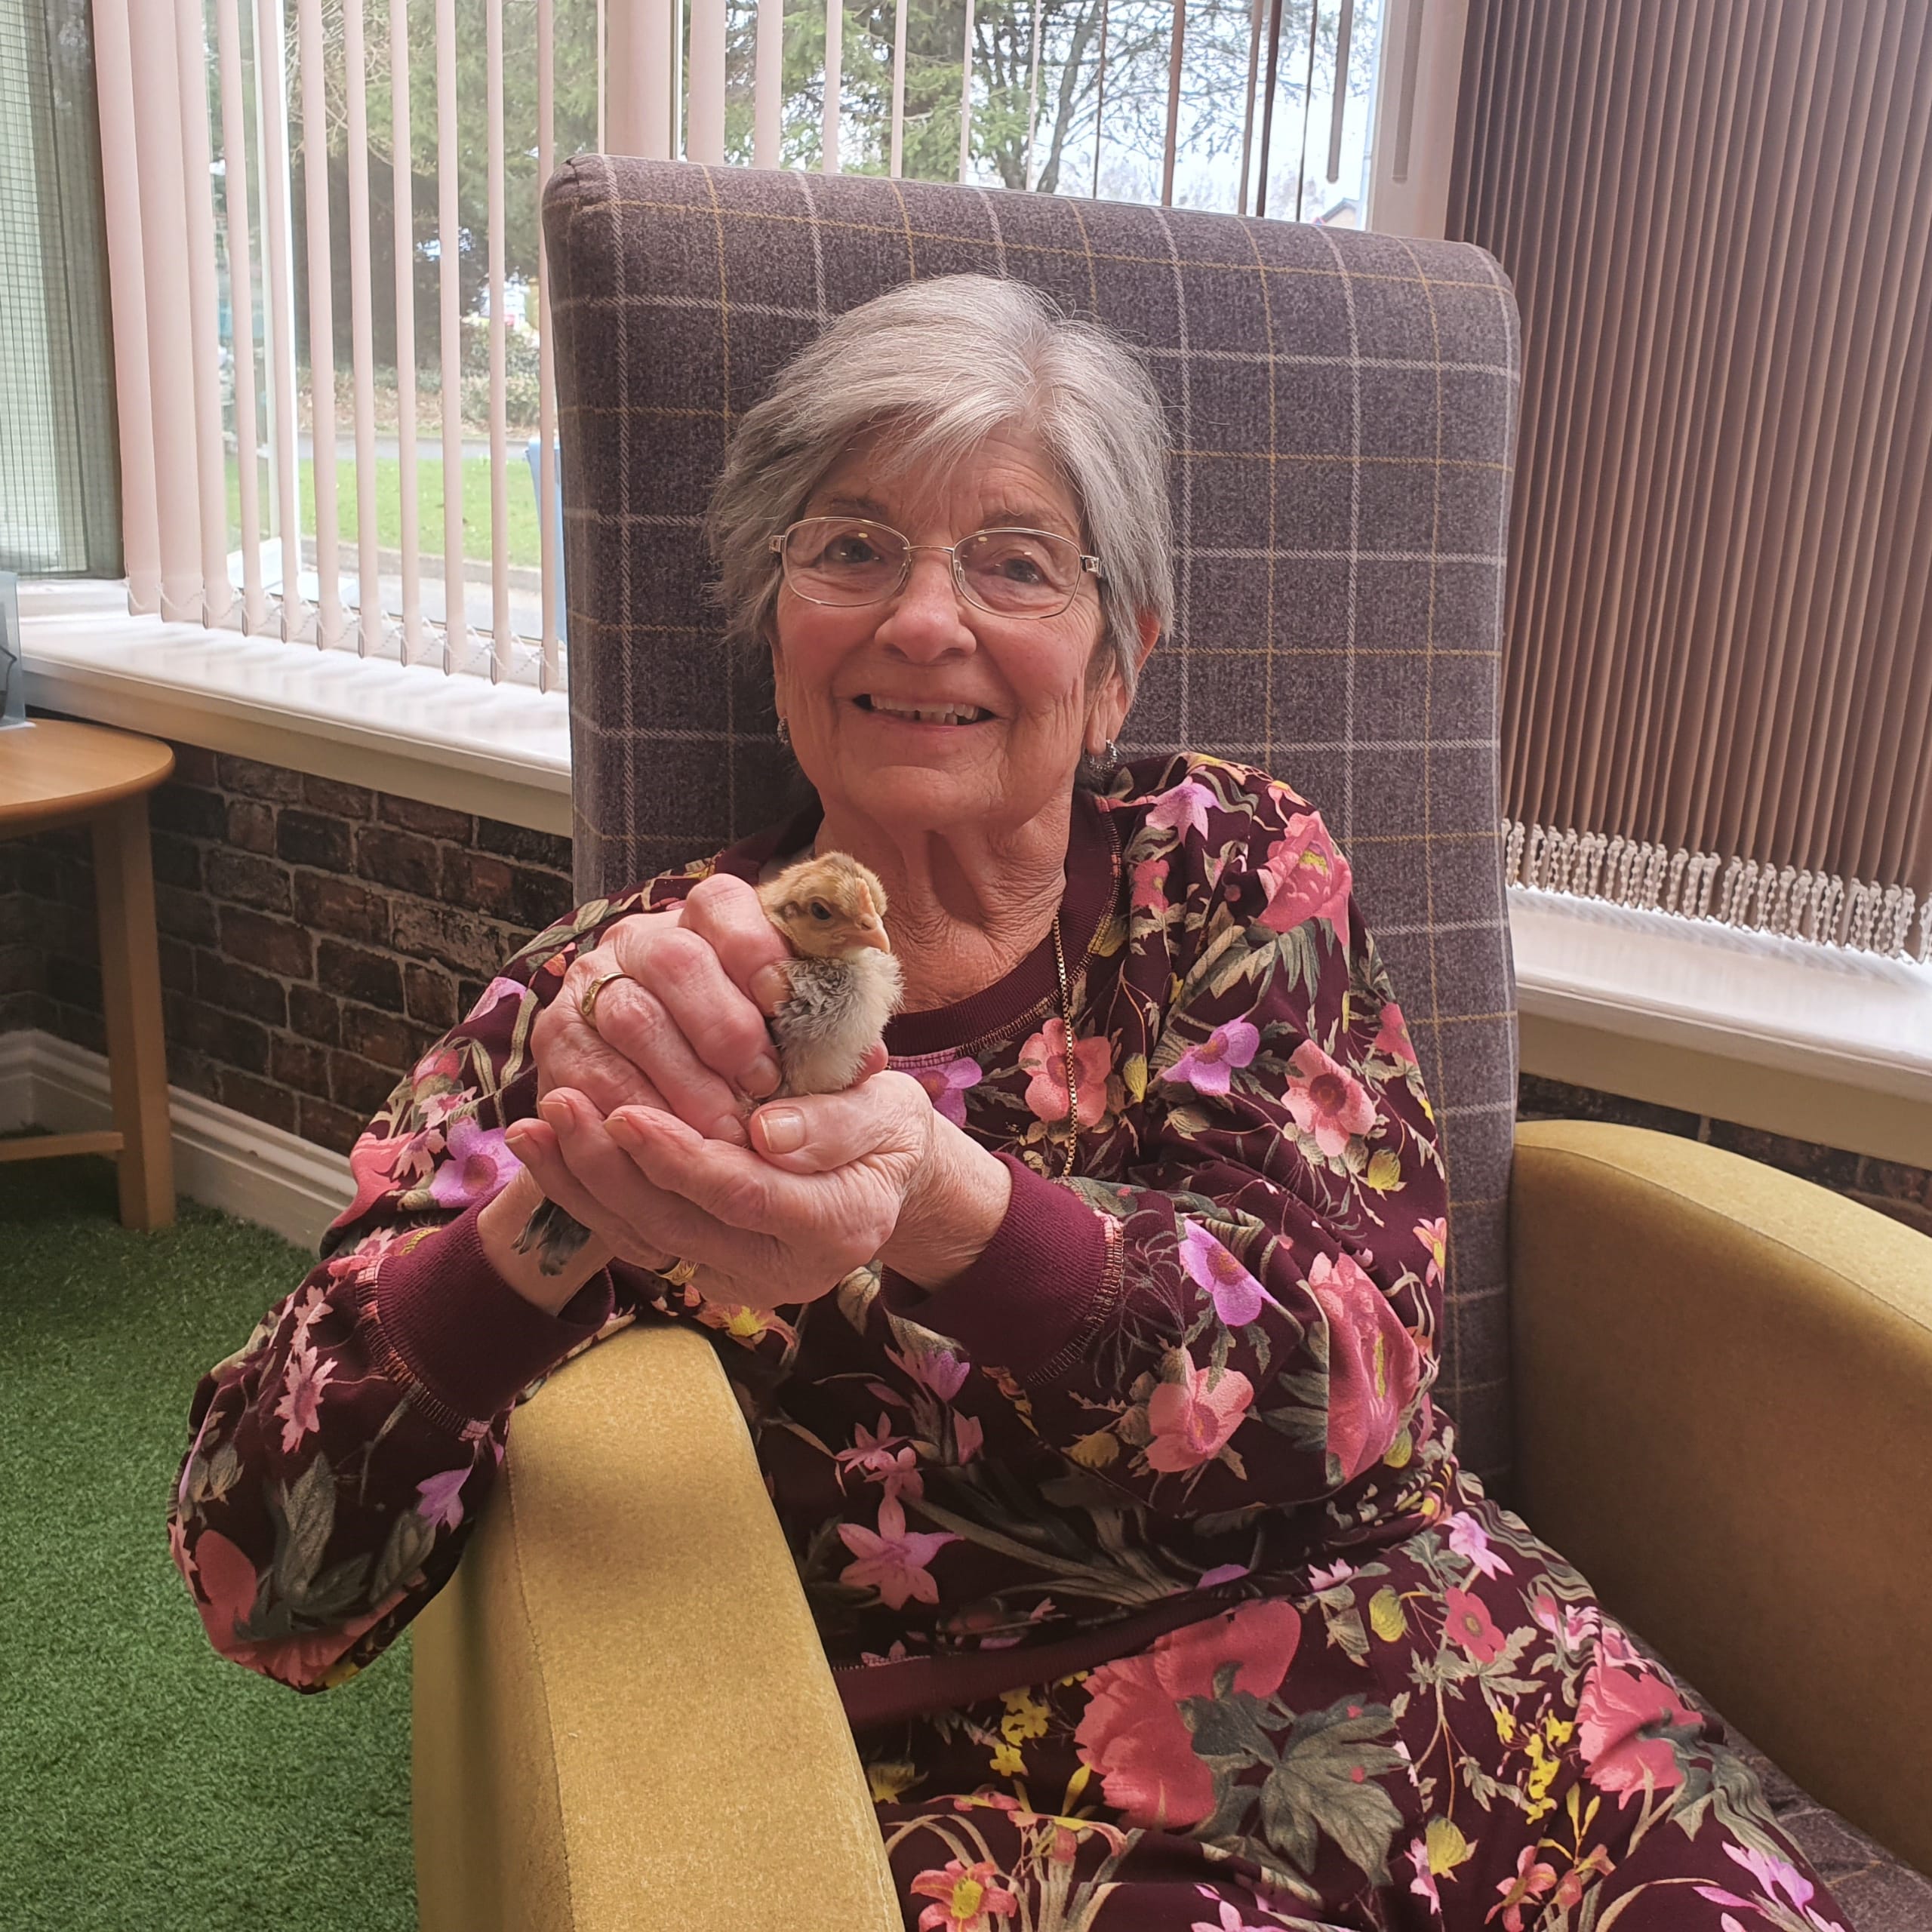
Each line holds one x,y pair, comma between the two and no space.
1724,1415
623,1716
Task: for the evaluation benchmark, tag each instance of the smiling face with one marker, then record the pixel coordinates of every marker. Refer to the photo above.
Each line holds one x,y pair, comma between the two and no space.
1009,703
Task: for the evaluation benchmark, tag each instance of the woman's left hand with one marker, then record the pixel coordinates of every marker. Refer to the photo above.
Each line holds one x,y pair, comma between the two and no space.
830,1182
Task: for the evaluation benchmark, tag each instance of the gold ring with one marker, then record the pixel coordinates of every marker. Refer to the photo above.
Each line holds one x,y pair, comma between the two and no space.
587,1002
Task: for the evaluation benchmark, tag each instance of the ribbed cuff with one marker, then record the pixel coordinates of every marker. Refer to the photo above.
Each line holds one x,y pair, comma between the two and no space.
464,1332
1033,1291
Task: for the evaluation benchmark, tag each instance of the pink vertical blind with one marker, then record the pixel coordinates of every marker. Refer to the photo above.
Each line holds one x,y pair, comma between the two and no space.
326,402
1718,676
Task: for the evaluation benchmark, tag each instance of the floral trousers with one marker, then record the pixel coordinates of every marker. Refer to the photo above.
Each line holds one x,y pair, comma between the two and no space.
1451,1736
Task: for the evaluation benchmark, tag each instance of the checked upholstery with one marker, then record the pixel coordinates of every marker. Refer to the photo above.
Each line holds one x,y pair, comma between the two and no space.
1344,406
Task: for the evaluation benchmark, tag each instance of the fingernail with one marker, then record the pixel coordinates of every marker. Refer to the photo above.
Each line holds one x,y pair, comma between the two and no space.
771,987
556,1110
763,1077
623,1125
516,1138
784,1130
729,1127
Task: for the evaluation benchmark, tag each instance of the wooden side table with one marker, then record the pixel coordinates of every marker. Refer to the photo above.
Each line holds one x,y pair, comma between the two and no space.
54,773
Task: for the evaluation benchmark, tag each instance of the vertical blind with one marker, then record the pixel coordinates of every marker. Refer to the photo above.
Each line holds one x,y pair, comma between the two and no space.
1718,665
338,421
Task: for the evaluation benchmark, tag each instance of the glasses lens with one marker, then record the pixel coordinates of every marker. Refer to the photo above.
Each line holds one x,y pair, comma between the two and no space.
843,560
1021,572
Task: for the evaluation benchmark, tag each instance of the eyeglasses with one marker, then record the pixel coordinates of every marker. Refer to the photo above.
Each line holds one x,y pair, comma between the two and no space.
848,560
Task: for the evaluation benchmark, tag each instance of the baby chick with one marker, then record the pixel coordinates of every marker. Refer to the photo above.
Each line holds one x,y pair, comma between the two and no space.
845,983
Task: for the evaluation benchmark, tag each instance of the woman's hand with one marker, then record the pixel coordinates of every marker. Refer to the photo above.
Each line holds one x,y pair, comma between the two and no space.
684,1029
830,1181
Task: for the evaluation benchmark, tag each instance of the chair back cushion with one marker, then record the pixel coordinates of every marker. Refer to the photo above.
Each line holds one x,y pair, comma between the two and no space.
1344,411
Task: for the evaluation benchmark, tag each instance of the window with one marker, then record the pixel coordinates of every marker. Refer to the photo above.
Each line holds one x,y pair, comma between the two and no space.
339,425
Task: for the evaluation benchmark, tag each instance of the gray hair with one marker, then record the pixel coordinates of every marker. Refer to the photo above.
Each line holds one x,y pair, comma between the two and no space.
947,362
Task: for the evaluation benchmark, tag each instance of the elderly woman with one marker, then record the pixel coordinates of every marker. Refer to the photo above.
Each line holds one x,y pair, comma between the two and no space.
1088,1342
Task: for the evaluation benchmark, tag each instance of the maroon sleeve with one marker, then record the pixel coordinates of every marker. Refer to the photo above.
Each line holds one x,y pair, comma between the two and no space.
339,1457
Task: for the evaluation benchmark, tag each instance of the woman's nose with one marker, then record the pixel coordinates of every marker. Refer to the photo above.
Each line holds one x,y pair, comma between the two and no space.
927,619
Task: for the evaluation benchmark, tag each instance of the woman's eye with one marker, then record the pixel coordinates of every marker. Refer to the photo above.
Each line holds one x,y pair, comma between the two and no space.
852,552
820,910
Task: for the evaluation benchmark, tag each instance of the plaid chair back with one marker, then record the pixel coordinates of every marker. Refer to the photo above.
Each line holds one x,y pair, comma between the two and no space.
1344,408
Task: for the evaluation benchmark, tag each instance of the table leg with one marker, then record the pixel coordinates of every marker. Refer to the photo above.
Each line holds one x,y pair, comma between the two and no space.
131,992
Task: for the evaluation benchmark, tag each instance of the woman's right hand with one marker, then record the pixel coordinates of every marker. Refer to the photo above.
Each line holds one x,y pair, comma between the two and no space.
684,1029
683,1032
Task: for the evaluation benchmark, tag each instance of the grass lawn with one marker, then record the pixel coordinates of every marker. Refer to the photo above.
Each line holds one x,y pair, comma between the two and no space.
521,534
149,1784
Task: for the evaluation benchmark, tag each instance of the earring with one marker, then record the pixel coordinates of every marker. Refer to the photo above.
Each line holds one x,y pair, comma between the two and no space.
784,734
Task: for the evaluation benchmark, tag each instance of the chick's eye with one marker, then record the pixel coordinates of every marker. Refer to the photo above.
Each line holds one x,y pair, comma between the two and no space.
820,910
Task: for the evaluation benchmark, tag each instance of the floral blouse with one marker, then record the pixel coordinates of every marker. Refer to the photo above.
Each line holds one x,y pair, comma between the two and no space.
1171,1383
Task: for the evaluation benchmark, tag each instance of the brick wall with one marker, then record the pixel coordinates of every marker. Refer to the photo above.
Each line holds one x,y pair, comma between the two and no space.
316,936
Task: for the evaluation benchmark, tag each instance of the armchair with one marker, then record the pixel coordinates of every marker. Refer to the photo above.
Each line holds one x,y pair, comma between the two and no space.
1344,410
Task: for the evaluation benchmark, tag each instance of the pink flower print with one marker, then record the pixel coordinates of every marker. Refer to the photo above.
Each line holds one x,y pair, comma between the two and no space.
969,1898
300,1407
941,1372
1373,1367
1044,1057
1423,1884
478,1166
1335,1574
492,996
1148,886
1533,1879
1183,809
441,1497
1132,1731
1192,1419
1307,878
869,1453
372,1164
1228,1921
1209,1068
1619,1705
1773,1875
1222,1572
1393,1039
1471,1626
1434,1235
892,1560
440,1063
969,1436
1467,1537
1237,1296
1565,1621
1327,1101
946,1087
1570,1887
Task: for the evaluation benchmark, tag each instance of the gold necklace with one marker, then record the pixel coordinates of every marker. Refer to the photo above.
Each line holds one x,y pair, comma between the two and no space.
1066,1026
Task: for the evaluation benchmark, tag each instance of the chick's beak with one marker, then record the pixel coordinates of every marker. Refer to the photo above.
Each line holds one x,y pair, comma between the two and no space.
872,927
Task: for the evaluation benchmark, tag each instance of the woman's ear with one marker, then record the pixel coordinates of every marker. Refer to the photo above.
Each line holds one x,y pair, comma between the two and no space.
1110,702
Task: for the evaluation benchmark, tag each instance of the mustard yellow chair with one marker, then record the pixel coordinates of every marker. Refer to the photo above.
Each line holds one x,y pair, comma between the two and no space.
623,1717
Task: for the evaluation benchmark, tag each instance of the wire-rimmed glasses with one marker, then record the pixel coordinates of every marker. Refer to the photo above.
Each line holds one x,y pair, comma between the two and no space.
848,560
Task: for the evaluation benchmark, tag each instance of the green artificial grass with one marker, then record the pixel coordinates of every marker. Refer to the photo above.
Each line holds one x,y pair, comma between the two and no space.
149,1782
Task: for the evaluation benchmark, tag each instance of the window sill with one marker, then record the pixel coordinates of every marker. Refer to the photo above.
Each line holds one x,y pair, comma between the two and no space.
503,751
1828,1046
